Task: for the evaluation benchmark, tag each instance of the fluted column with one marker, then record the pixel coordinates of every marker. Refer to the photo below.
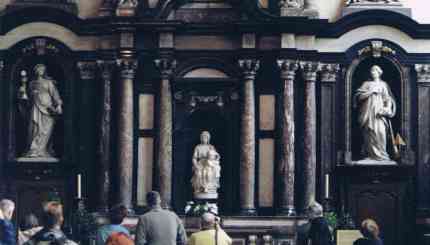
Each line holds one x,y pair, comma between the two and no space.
287,160
127,68
247,137
104,140
164,159
309,70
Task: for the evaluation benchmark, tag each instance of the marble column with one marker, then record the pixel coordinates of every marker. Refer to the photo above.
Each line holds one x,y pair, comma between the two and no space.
125,129
329,73
247,137
165,137
309,70
106,69
287,159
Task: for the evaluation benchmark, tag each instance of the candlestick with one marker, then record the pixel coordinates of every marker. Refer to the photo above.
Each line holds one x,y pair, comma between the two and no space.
79,187
327,186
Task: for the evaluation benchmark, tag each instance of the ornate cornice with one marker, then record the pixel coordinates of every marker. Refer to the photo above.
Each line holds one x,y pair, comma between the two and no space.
166,66
87,69
423,73
249,68
310,69
329,72
128,67
288,68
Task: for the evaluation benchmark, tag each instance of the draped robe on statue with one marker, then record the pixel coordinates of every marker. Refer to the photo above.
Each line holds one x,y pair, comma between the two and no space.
376,103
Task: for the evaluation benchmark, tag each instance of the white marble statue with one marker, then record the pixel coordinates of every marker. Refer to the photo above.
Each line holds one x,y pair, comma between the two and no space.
206,169
45,104
376,105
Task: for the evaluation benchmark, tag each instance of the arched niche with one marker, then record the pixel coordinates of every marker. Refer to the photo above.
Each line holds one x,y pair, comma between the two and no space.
205,97
396,76
24,56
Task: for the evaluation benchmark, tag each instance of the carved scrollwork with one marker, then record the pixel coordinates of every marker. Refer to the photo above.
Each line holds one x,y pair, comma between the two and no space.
40,46
377,48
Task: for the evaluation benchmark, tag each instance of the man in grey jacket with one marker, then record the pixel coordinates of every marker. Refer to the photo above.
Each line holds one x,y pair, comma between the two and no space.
159,226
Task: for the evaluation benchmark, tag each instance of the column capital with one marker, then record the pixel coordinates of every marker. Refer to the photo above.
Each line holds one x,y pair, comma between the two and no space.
249,68
87,69
106,68
423,73
166,66
128,67
309,69
288,68
126,7
329,71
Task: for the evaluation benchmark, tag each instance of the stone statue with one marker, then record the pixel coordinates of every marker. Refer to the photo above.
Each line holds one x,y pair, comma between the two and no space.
289,4
206,169
376,105
45,104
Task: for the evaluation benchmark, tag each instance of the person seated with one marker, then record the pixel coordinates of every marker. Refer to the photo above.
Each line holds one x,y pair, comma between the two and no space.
7,229
51,233
370,231
210,230
29,228
116,216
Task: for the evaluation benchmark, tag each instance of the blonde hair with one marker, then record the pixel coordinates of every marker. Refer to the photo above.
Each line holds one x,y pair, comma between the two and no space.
53,214
369,228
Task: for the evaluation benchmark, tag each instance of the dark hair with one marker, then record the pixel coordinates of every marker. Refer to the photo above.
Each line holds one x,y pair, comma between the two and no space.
53,214
117,214
153,198
29,221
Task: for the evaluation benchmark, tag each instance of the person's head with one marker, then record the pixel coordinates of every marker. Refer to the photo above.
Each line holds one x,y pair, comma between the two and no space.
315,210
369,228
53,215
30,221
208,220
117,214
7,207
376,72
153,199
40,70
205,137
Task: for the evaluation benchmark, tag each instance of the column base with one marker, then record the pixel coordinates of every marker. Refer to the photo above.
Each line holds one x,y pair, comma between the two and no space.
248,212
287,211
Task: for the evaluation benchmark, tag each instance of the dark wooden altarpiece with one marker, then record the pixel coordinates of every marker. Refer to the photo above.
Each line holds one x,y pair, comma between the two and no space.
97,85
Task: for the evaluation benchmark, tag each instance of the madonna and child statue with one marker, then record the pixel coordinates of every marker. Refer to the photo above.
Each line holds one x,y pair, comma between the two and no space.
206,169
42,105
376,106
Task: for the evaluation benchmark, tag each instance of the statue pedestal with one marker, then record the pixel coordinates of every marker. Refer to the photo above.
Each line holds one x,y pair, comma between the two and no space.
371,162
38,159
206,196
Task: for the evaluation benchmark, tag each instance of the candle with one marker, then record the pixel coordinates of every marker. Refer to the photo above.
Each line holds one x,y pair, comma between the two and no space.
327,186
79,187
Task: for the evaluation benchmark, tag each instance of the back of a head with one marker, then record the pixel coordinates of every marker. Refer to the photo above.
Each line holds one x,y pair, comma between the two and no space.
315,210
7,207
208,220
153,198
117,214
370,229
53,215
